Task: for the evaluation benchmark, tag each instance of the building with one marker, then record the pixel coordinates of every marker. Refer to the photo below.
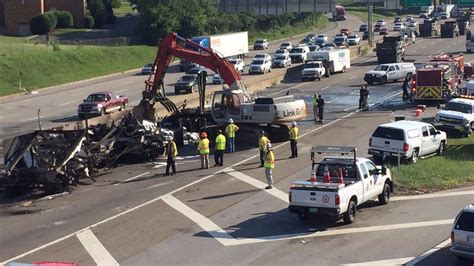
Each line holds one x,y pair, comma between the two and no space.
17,14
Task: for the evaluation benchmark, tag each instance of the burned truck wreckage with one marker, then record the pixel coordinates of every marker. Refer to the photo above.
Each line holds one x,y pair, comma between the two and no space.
53,160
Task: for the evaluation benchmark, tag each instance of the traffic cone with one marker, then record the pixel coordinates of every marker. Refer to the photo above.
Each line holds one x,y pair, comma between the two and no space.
327,176
313,177
340,175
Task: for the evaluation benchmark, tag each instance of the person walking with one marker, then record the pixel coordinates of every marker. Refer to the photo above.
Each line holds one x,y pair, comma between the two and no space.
203,149
269,165
321,104
294,132
219,149
363,95
230,131
171,153
315,107
262,147
405,86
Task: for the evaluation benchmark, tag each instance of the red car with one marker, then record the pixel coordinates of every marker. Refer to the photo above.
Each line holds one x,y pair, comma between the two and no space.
101,103
383,31
346,32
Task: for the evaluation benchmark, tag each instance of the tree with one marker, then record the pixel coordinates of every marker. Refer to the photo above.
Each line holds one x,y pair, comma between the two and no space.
98,12
43,24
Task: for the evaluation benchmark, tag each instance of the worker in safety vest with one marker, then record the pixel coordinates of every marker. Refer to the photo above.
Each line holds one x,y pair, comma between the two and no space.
321,104
203,149
262,147
219,149
315,107
171,152
294,132
269,165
230,131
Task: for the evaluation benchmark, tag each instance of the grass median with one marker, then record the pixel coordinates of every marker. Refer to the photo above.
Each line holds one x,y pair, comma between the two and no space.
454,169
38,68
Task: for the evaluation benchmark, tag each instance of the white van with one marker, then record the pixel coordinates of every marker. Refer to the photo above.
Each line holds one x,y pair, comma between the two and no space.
407,139
384,73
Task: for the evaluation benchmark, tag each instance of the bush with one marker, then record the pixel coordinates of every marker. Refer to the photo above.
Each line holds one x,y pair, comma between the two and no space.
65,19
43,23
88,22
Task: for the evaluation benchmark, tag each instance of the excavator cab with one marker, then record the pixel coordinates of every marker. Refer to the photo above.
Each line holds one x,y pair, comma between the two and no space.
227,104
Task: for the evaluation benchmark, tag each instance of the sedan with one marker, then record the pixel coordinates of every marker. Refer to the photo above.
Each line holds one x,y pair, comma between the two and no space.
321,37
340,41
462,234
281,52
383,31
216,79
329,46
363,27
353,39
260,44
281,61
148,69
346,32
380,22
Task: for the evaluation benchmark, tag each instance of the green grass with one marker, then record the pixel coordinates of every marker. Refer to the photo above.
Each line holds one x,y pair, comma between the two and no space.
452,170
124,8
11,39
47,67
287,31
361,12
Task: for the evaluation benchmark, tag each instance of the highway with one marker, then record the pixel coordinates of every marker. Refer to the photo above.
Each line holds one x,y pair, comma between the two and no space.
133,215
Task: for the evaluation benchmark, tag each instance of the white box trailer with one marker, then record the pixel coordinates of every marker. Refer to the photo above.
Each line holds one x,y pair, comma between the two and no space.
234,44
336,60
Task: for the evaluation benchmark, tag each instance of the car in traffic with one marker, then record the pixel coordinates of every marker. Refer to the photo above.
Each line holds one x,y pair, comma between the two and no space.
306,41
340,41
423,15
383,31
281,61
238,63
260,44
281,52
398,26
313,70
397,19
384,73
186,83
380,22
462,235
363,27
365,35
377,28
321,38
101,103
148,69
287,46
311,36
216,79
329,46
353,39
346,32
313,47
409,19
458,115
260,65
299,54
445,15
263,56
196,70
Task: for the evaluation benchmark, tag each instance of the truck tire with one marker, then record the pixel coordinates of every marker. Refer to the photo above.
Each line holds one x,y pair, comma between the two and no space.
384,198
349,215
414,157
344,69
383,80
442,147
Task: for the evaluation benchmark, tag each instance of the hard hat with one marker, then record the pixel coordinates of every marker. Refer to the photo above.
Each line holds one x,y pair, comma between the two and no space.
269,146
263,132
293,123
219,131
231,121
203,135
169,138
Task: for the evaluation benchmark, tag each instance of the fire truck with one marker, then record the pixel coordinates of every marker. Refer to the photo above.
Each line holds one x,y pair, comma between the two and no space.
438,79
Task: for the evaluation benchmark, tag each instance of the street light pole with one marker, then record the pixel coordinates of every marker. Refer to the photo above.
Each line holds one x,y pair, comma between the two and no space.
370,7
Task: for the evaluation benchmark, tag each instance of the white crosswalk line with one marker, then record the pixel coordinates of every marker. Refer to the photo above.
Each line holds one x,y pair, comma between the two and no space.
95,249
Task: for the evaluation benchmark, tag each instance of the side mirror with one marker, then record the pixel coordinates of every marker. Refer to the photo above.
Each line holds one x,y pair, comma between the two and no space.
384,170
438,132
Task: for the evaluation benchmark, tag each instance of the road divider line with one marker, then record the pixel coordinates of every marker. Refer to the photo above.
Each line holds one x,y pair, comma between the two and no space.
96,250
353,77
397,261
433,195
206,224
325,88
428,253
66,103
131,178
258,184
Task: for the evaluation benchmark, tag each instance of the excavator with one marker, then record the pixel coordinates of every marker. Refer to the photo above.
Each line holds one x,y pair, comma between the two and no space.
232,102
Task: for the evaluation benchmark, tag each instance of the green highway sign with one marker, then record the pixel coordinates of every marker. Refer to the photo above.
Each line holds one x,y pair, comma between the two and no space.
464,3
416,3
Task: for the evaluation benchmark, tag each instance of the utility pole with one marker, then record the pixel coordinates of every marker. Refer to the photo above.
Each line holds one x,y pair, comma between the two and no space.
370,8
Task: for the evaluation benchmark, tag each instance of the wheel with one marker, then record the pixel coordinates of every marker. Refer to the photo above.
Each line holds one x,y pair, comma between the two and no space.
344,69
384,198
102,111
414,157
269,70
303,216
349,215
442,147
383,80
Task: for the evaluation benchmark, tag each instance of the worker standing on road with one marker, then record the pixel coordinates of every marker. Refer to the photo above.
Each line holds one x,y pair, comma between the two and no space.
269,165
203,149
363,96
171,153
405,86
230,131
315,107
294,131
219,149
262,147
321,104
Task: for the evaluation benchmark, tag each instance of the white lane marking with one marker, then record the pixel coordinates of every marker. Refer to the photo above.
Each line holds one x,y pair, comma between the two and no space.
131,178
206,224
96,250
332,100
66,103
433,195
353,77
428,253
350,108
258,184
159,165
397,261
325,88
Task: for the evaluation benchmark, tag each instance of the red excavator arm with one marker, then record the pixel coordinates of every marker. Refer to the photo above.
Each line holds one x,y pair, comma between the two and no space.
202,56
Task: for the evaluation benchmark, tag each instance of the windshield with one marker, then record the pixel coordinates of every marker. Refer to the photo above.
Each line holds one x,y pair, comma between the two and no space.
149,65
321,36
95,98
352,37
340,39
285,44
297,50
260,56
280,57
259,41
187,78
233,62
381,68
311,65
280,52
389,133
328,44
257,62
459,107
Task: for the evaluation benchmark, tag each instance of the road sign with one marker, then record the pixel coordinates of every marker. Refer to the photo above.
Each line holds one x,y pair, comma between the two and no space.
417,3
466,3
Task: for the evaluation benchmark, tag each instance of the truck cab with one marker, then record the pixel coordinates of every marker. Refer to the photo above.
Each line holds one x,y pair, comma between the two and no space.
458,114
313,70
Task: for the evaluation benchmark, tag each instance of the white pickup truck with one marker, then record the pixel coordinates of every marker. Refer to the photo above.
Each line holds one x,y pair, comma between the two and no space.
338,185
458,114
384,73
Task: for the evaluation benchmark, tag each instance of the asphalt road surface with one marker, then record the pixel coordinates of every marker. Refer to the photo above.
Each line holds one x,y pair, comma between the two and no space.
133,215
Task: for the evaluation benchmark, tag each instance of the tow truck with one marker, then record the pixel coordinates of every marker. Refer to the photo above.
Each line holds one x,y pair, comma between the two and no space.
232,102
338,185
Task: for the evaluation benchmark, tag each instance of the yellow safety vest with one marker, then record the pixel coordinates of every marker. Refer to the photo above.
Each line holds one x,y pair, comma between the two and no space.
294,133
262,143
269,160
173,151
220,142
203,146
230,130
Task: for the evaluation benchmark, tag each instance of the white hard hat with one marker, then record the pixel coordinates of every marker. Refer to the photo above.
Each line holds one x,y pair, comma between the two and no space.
169,138
269,145
231,120
293,123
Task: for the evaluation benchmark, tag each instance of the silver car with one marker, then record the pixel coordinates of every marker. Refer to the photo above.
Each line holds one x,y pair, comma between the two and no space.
462,235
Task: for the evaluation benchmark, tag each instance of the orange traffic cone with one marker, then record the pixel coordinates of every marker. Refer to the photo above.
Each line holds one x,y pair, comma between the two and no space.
313,177
340,176
327,176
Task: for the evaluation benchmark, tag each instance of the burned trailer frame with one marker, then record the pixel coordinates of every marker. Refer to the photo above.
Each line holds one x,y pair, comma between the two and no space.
39,160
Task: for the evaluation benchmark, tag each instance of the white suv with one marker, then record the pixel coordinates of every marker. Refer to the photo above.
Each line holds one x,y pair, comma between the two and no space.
458,114
407,139
260,65
462,234
238,64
